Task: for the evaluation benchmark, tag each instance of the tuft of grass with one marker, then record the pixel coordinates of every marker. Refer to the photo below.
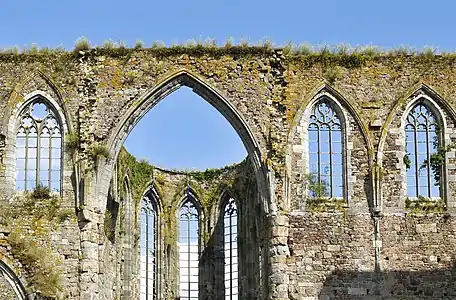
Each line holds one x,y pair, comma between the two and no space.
71,143
288,48
303,49
11,50
158,45
139,44
267,44
110,44
210,43
41,192
229,42
331,75
324,51
82,44
369,51
244,43
122,45
98,151
33,49
402,51
190,43
428,52
343,49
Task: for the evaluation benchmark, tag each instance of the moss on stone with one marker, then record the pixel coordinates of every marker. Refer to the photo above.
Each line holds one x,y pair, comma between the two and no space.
31,219
425,205
326,205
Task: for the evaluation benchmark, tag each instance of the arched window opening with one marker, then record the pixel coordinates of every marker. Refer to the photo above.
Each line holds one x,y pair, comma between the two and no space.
38,147
325,178
422,138
188,250
231,250
148,249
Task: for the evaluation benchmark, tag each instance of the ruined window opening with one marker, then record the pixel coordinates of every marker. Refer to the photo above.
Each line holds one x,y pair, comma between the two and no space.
148,249
188,250
38,147
325,152
422,137
231,250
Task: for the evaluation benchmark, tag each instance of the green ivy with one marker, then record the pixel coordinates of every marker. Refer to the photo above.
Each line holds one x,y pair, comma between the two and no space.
437,160
407,161
317,188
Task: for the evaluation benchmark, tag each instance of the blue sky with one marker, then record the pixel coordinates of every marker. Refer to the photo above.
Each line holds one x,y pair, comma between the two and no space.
192,134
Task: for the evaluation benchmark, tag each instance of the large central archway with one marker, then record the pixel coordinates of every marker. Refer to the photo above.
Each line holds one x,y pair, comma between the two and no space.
213,97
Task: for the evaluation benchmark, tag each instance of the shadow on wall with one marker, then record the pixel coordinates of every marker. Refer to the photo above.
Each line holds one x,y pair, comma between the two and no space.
432,284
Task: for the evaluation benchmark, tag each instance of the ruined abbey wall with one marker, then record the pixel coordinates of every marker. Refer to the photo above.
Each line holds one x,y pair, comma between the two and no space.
375,243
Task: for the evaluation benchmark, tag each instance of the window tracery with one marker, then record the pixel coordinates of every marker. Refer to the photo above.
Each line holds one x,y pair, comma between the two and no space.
189,250
148,249
422,138
325,152
231,250
38,147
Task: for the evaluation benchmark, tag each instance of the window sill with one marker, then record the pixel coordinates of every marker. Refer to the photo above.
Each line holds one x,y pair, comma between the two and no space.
425,204
326,204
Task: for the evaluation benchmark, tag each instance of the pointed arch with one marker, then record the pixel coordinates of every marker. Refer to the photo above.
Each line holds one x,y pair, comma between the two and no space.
36,133
230,215
21,92
190,217
419,91
327,90
150,259
424,125
394,140
153,191
214,97
299,177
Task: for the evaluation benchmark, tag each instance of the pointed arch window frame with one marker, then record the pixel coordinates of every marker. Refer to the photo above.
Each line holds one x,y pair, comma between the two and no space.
191,197
38,96
437,111
227,200
154,200
339,111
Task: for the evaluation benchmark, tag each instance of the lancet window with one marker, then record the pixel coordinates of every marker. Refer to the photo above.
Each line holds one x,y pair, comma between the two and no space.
38,147
422,138
231,250
189,250
325,152
148,248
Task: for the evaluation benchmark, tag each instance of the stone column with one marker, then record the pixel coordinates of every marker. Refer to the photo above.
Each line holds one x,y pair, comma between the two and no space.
278,277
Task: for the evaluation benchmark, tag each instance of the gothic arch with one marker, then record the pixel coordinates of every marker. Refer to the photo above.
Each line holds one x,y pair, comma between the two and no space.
213,97
421,91
152,254
152,188
194,198
225,194
393,136
326,90
39,82
12,126
298,158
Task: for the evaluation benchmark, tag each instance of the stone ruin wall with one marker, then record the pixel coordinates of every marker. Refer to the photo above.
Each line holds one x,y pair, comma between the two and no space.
371,247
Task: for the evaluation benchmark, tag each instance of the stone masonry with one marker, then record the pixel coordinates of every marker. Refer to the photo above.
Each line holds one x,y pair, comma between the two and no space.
375,243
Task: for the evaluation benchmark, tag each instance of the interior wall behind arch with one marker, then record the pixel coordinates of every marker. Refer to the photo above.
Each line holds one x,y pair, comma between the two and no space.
207,188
